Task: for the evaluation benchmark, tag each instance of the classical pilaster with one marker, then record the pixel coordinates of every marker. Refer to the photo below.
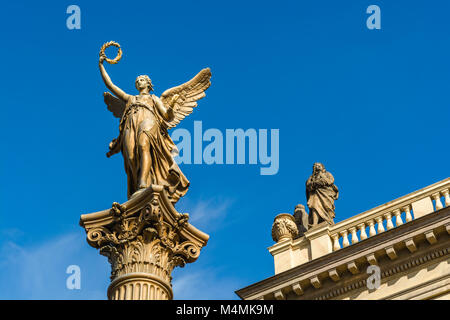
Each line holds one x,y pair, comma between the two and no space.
144,239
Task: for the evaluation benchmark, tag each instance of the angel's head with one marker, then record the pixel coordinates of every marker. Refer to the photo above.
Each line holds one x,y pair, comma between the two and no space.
143,83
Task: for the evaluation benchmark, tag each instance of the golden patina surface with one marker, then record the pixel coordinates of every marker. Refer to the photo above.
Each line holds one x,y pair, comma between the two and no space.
145,118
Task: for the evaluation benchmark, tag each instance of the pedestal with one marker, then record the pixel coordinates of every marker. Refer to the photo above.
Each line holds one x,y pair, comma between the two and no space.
144,239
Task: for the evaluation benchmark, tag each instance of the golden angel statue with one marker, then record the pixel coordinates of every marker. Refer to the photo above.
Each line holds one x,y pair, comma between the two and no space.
147,149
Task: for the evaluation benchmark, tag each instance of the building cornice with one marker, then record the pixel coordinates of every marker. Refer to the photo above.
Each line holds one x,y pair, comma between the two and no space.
395,248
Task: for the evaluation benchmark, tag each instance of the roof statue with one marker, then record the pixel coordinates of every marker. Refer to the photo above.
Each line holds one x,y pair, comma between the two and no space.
320,194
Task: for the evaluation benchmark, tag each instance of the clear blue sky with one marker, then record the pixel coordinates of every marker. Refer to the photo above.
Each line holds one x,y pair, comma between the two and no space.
372,105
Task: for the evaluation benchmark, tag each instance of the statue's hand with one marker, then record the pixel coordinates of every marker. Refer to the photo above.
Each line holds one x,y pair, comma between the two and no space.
112,148
102,57
112,144
174,100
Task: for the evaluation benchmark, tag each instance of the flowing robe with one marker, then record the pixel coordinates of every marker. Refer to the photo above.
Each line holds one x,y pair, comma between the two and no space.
142,117
321,193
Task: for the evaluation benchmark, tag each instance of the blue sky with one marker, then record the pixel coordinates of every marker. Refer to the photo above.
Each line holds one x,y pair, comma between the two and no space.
372,105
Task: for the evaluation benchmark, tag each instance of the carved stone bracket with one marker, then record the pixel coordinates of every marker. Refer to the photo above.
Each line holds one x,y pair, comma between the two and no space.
147,237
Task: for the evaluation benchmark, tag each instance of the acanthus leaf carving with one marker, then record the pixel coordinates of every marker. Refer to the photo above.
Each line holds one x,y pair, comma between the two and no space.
284,227
144,241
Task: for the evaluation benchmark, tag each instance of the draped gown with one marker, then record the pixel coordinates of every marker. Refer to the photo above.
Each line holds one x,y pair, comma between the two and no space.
142,117
321,193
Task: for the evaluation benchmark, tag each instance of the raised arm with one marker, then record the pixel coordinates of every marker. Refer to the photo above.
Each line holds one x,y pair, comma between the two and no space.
119,93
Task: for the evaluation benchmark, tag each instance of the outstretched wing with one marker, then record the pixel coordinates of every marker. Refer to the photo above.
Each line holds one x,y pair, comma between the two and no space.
115,105
188,94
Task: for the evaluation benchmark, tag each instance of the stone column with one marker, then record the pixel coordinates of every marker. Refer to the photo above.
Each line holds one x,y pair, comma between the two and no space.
144,239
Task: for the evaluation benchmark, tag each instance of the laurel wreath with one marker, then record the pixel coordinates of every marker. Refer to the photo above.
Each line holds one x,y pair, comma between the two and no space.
119,52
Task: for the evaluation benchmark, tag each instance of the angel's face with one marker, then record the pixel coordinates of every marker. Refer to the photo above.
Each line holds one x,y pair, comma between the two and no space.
142,83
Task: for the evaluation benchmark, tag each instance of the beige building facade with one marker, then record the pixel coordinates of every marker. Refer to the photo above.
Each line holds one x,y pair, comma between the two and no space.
399,250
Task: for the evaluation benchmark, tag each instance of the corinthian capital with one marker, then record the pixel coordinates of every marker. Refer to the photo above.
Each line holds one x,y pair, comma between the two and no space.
144,239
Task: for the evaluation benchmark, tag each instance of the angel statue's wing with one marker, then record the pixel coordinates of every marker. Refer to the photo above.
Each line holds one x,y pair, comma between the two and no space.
115,105
188,94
